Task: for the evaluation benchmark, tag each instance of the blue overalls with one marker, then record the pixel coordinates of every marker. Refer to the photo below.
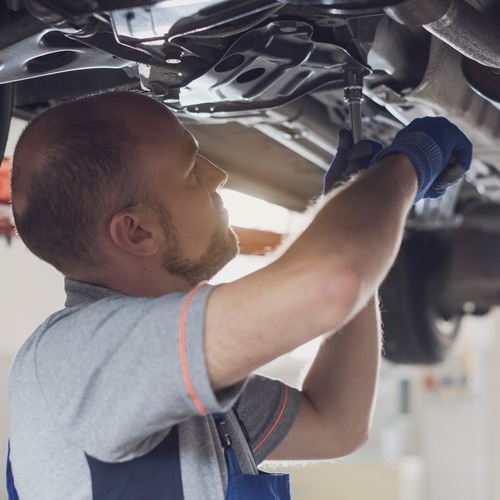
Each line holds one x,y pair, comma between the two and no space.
262,486
11,489
241,486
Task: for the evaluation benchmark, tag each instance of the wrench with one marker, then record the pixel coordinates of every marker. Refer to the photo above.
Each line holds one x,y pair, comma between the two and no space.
353,95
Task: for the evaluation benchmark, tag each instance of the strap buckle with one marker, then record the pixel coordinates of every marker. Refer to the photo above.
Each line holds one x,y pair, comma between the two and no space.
224,436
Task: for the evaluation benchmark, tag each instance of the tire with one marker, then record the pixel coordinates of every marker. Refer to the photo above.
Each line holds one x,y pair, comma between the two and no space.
415,332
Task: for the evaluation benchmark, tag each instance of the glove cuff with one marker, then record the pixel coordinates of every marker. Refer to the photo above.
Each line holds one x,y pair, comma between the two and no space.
424,154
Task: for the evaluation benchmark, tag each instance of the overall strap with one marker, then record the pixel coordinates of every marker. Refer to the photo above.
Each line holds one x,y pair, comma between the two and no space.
11,489
249,486
233,466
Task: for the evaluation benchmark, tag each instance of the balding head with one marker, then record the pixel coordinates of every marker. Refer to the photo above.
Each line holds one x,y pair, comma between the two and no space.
74,166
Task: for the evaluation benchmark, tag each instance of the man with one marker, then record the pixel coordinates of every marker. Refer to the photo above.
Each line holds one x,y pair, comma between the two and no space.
120,394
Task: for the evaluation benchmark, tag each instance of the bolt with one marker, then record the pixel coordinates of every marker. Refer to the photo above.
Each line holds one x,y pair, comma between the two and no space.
288,26
171,96
173,56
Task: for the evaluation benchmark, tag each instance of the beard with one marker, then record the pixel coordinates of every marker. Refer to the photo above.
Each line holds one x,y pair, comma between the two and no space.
223,247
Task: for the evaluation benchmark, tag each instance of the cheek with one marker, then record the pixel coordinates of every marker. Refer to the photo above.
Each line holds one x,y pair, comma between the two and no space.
194,216
198,224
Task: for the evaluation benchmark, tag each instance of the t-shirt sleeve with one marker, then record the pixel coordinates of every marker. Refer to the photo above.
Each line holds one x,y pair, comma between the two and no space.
119,373
267,408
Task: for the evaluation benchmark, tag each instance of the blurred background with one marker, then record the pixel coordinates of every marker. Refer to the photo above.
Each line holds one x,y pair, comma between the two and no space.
436,429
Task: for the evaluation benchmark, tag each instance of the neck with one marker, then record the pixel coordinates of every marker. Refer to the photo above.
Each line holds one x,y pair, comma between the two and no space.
139,283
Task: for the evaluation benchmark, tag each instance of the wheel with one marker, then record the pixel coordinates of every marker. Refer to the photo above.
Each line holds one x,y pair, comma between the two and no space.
415,331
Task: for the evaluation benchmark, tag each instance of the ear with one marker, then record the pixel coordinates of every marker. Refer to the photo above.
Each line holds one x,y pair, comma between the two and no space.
134,231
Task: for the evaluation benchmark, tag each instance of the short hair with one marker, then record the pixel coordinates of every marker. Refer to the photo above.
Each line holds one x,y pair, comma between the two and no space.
86,172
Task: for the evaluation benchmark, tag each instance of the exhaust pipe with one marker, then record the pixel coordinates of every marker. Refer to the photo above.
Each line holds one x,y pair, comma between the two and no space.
456,23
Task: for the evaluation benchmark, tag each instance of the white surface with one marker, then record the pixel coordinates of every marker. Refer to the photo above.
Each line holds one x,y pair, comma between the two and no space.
30,290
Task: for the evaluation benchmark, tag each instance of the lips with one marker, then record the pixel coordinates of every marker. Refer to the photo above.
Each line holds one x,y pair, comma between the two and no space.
221,209
225,216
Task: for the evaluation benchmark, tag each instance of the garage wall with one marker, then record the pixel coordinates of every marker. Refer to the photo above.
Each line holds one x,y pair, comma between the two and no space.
460,418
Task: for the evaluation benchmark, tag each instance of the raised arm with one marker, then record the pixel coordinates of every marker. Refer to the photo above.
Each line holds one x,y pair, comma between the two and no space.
331,271
321,281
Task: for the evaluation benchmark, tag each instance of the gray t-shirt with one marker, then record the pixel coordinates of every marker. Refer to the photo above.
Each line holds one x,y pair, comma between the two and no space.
110,398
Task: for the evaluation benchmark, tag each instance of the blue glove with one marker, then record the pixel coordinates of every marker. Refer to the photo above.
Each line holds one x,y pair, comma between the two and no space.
349,159
438,150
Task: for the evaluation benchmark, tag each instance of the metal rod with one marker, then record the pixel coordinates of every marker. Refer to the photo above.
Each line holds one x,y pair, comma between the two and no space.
356,126
353,95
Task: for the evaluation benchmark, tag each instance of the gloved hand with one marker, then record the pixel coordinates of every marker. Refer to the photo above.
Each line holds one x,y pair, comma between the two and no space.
349,159
438,150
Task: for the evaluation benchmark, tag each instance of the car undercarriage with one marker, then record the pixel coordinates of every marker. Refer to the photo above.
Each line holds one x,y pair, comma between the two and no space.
261,84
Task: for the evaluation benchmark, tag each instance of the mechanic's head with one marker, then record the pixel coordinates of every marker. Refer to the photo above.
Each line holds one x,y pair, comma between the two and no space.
114,181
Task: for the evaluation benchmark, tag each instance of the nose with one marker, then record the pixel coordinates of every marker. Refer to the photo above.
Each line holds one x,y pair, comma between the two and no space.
213,176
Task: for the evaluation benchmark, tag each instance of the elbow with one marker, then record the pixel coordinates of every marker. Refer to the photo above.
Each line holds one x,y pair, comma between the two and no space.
355,435
353,444
343,435
346,445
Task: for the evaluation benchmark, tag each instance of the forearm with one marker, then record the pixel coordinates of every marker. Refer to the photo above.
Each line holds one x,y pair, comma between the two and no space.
341,383
363,223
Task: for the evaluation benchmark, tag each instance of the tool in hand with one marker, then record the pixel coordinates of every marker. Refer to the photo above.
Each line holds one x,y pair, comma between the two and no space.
353,154
353,95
